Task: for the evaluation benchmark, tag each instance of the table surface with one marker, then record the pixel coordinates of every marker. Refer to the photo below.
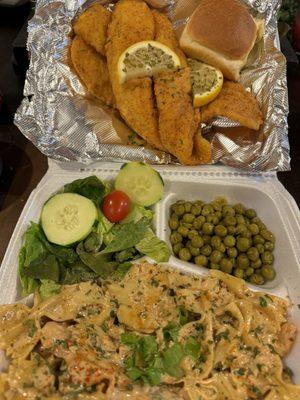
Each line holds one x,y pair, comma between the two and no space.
24,165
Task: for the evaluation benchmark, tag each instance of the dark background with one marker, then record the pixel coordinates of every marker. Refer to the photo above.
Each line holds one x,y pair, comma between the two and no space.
23,166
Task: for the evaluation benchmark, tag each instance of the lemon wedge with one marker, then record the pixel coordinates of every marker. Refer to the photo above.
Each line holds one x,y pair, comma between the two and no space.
207,82
146,58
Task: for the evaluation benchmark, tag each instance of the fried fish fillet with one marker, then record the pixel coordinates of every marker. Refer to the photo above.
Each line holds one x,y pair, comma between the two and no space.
178,121
164,33
92,25
92,69
236,103
132,22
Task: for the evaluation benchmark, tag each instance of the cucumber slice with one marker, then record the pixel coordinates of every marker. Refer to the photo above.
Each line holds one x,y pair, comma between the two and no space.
141,183
68,218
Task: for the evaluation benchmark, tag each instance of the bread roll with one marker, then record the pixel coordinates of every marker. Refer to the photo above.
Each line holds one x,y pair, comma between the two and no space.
221,33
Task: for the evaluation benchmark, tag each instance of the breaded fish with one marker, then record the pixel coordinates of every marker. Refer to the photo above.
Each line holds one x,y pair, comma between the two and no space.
92,25
132,22
164,33
177,119
236,103
92,69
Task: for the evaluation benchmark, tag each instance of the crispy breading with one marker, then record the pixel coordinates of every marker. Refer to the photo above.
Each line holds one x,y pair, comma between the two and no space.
92,25
132,22
236,103
177,119
92,69
164,33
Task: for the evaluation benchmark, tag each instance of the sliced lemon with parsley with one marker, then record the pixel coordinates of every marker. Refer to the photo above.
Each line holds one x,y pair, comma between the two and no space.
146,58
207,82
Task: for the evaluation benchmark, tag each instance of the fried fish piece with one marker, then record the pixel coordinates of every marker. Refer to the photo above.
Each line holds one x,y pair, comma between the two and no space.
178,121
164,33
92,26
236,103
132,22
92,69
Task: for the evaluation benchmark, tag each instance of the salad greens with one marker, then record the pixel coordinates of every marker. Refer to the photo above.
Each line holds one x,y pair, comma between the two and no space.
106,251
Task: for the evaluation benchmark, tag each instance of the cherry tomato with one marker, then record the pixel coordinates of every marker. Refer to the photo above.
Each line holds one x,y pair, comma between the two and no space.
116,206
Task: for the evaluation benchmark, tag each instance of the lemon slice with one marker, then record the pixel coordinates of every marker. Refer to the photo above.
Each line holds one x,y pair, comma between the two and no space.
207,82
146,58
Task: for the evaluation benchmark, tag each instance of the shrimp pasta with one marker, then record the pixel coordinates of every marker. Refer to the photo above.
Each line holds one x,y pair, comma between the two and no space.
155,334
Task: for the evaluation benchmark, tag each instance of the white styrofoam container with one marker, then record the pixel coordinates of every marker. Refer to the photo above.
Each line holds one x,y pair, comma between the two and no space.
263,192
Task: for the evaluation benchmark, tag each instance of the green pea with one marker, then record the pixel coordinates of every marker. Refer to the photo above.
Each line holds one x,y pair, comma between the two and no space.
250,213
243,244
186,224
226,265
222,248
256,221
196,210
199,203
185,254
229,220
177,247
254,229
206,250
239,208
232,252
187,207
208,228
233,260
183,230
253,254
260,248
267,235
258,239
197,241
220,230
268,272
241,228
188,244
195,251
198,222
217,206
269,246
249,271
246,234
175,237
206,239
173,223
216,242
228,210
257,279
192,233
240,219
218,214
239,273
214,266
212,218
229,241
267,258
216,256
201,260
231,230
242,261
179,209
256,264
189,218
206,210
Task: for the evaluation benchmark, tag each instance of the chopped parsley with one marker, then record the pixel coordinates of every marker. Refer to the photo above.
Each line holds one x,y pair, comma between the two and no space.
263,302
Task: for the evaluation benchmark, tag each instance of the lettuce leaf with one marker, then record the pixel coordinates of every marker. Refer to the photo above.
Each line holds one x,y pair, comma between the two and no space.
91,187
48,288
137,213
154,248
126,236
28,284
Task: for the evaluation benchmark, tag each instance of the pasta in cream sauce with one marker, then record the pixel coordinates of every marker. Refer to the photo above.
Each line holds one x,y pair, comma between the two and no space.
155,334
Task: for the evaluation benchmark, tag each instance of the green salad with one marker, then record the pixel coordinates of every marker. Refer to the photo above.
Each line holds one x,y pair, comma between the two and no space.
89,230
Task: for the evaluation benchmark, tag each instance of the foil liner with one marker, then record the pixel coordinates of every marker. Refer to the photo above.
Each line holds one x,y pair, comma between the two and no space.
57,115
